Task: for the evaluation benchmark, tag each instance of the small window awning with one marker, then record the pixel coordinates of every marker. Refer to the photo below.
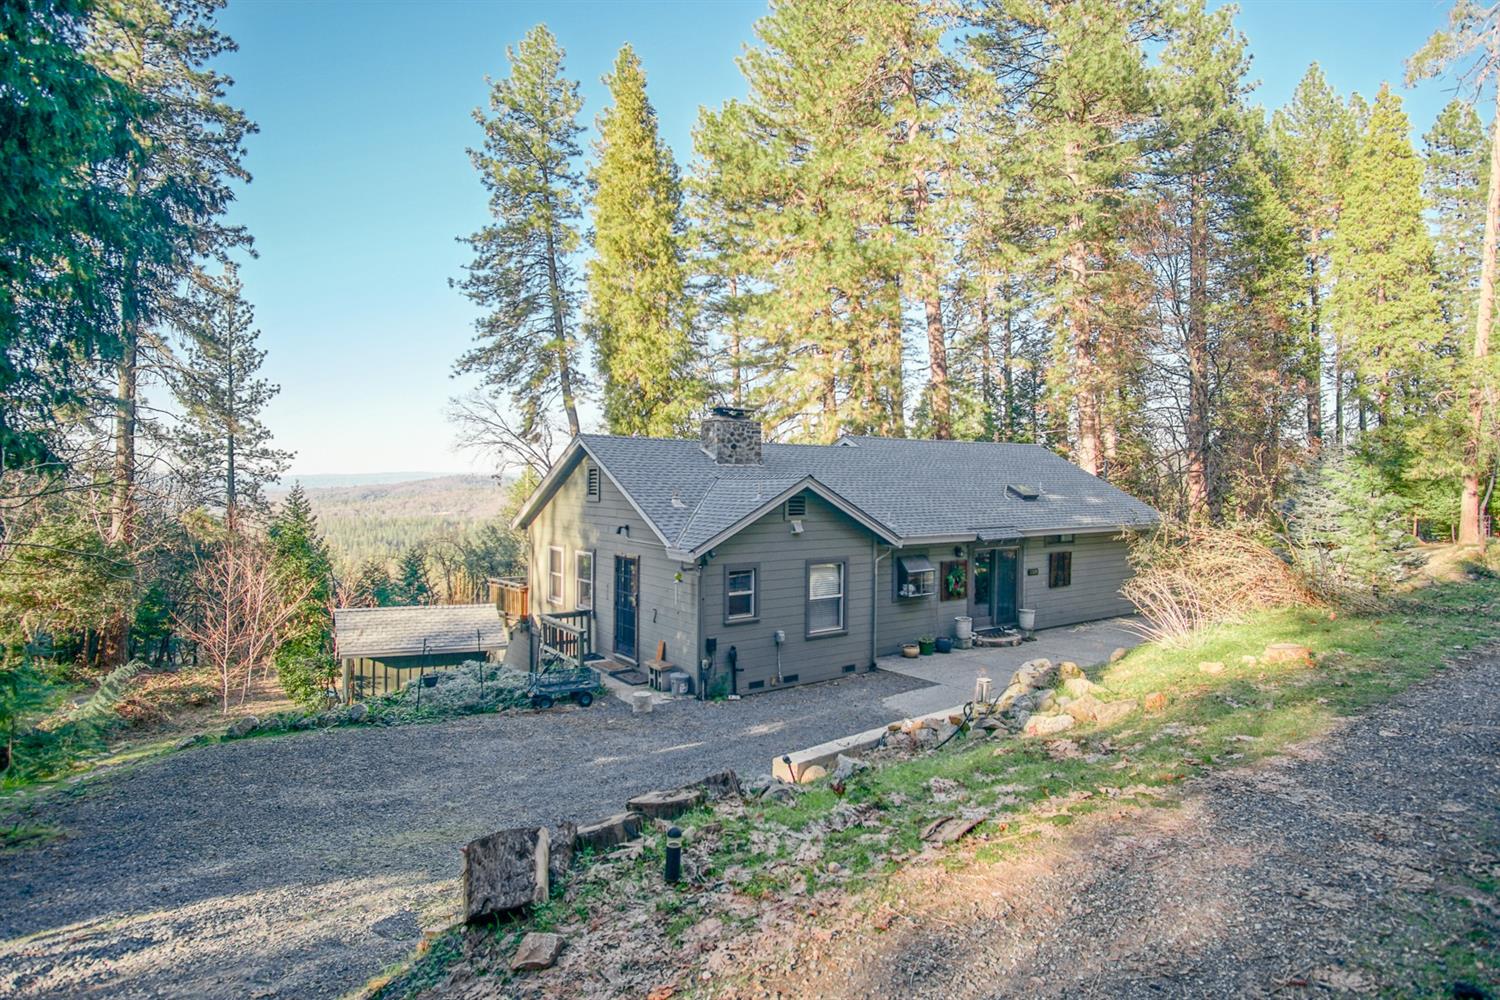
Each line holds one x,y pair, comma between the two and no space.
915,564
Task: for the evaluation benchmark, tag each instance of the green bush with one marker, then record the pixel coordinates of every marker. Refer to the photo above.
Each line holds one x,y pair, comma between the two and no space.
306,678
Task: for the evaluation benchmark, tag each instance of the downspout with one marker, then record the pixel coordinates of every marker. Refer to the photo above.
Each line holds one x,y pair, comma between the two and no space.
875,556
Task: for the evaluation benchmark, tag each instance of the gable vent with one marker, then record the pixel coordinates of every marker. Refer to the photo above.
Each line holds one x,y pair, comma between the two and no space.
796,506
593,482
1024,491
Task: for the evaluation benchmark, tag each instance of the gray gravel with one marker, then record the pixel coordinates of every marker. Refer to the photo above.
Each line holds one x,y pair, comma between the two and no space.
1347,867
301,866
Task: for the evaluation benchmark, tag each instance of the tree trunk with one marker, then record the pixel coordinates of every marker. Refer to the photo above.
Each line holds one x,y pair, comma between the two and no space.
122,507
560,338
1315,374
1087,449
1197,350
1471,512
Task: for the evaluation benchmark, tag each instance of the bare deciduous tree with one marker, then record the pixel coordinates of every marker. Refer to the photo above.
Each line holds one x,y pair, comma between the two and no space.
241,612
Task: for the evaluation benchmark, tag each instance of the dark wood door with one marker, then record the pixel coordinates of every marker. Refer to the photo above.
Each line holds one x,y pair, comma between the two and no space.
627,601
1005,577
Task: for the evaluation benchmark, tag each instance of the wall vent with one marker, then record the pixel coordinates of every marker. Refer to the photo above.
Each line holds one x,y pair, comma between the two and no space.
796,506
756,685
789,678
593,483
849,668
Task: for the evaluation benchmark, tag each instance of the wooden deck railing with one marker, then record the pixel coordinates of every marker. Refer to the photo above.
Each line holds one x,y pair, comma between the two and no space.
565,639
511,595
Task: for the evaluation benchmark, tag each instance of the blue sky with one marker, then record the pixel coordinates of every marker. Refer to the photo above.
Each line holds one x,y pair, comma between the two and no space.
362,182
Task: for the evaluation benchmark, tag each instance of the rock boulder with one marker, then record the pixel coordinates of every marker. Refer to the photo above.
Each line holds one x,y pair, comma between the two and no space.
536,951
505,871
1048,725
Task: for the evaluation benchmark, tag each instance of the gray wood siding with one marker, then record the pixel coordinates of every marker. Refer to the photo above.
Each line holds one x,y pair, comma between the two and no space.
1100,567
907,619
782,559
667,607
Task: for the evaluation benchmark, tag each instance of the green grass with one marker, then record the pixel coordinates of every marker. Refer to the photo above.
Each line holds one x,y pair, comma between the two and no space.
1248,711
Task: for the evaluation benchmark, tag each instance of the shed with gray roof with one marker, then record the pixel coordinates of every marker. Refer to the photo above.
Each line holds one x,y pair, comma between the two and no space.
382,649
715,547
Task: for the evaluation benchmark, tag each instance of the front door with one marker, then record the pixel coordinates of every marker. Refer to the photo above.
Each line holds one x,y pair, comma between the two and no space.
1006,574
627,599
982,593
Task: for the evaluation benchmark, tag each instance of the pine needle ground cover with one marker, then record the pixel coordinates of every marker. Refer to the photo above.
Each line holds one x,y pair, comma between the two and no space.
764,864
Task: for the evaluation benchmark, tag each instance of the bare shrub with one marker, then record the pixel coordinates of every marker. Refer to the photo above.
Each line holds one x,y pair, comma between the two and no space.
1191,576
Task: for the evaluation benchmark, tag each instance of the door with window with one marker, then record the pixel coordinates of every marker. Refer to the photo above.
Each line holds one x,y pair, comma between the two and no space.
627,603
996,586
1007,578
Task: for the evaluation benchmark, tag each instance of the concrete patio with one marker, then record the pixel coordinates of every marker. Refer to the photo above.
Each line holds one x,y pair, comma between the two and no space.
952,675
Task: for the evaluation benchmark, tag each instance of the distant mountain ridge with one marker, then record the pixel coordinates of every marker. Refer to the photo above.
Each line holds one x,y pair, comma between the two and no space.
320,480
380,520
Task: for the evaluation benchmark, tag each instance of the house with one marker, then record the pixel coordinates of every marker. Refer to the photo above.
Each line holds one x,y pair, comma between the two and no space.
761,565
382,649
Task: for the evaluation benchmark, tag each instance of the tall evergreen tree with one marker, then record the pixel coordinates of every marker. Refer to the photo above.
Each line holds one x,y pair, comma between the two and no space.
1471,46
1314,137
411,585
523,273
1385,300
304,660
834,159
639,313
1079,83
177,191
1457,168
224,448
69,128
372,586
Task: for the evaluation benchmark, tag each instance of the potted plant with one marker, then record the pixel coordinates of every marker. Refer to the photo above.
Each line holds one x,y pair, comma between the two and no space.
944,644
927,644
910,650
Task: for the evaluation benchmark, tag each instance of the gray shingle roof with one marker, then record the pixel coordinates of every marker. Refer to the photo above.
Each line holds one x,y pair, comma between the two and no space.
447,628
910,489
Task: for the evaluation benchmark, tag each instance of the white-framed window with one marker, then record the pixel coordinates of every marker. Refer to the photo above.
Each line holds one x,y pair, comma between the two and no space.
825,597
554,574
741,602
583,573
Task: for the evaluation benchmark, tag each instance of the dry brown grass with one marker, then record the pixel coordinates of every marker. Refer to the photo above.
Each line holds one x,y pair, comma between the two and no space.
1188,577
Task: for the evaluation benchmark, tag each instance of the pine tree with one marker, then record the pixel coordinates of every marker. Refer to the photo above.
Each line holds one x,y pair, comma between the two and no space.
63,226
177,191
1385,301
523,273
299,554
1079,83
833,159
1455,186
639,312
1314,137
1471,44
372,586
411,585
224,448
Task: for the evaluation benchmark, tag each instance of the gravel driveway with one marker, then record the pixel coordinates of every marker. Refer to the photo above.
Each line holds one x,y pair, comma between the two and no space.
1360,864
301,866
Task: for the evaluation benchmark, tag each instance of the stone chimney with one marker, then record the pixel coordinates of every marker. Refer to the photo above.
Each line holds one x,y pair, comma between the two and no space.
731,436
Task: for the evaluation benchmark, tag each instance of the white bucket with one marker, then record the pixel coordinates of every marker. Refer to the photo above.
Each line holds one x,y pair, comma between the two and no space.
963,627
1026,618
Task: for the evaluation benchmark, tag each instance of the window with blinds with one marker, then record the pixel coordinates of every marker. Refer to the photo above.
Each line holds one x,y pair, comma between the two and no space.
825,598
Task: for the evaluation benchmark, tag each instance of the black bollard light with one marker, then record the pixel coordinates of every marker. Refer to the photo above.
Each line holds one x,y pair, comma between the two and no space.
674,856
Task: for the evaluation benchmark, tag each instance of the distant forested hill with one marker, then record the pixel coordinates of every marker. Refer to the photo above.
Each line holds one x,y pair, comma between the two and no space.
383,520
